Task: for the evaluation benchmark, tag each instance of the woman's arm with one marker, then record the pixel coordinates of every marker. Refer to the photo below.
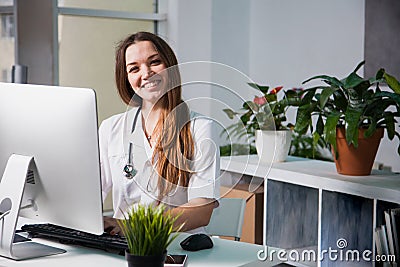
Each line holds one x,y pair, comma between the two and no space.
203,189
196,213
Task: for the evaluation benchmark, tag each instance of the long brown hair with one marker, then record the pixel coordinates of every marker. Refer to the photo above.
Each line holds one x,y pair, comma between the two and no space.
175,147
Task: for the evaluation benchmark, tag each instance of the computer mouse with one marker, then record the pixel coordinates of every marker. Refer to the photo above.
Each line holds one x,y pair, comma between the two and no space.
197,242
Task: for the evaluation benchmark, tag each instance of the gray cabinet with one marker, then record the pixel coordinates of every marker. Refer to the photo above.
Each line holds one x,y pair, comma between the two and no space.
309,207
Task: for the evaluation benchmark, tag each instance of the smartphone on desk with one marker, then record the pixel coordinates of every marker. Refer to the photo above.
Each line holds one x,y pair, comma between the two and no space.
175,261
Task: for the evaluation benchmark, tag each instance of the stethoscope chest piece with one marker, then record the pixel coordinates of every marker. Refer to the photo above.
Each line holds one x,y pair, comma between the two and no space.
130,172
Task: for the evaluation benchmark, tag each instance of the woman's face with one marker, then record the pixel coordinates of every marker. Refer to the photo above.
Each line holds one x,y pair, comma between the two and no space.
146,71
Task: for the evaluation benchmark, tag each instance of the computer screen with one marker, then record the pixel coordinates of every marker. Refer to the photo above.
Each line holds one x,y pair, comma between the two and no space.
58,127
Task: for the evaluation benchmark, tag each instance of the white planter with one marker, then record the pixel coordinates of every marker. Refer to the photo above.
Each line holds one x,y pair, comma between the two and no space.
273,146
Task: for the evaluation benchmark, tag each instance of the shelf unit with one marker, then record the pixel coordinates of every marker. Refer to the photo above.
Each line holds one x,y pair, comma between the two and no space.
308,204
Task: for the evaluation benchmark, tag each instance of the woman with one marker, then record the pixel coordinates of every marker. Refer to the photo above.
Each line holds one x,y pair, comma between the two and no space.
151,153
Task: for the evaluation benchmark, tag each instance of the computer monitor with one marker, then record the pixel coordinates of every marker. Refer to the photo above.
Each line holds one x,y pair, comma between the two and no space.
57,127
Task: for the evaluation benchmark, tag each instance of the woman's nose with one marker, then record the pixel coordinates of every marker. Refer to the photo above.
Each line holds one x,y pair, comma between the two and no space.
147,73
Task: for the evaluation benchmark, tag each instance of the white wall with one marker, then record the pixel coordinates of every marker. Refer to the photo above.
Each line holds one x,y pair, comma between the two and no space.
189,27
202,31
272,42
293,40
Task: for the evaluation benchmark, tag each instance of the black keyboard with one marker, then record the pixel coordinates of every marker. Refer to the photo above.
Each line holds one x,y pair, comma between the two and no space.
110,243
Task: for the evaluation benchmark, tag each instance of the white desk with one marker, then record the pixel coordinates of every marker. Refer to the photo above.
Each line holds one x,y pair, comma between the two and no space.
224,253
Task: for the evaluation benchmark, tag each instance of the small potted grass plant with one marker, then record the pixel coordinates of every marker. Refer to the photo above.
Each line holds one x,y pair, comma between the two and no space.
148,231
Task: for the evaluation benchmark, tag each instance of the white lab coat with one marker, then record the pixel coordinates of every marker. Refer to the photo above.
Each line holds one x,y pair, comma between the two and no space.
114,137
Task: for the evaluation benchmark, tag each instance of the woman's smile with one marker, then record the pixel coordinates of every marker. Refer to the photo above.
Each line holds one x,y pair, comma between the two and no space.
151,85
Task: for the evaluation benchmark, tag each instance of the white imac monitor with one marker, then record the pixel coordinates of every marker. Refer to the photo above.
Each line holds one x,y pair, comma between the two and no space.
49,137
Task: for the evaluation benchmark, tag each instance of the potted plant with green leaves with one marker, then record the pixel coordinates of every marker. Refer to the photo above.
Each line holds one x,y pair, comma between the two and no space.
264,122
148,231
351,115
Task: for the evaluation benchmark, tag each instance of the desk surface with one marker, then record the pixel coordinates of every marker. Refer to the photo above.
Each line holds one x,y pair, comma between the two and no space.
224,253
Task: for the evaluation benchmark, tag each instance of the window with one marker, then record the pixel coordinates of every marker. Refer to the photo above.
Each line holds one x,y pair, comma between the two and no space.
6,44
88,32
6,2
7,26
115,5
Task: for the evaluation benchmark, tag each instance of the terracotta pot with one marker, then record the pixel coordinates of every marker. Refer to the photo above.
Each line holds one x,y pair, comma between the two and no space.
356,161
144,261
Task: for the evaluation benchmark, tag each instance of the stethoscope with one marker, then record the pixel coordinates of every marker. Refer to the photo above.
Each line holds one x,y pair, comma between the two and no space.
129,169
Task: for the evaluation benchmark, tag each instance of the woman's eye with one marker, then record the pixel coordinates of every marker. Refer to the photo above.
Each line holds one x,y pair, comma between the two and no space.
155,62
133,69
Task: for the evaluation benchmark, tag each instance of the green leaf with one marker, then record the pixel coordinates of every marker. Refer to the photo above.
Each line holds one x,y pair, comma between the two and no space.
292,94
330,128
250,105
308,95
340,100
392,82
236,129
303,118
263,88
362,88
379,74
371,129
352,117
352,81
271,98
320,125
327,79
231,114
390,95
390,125
325,95
245,117
359,66
316,137
293,98
355,100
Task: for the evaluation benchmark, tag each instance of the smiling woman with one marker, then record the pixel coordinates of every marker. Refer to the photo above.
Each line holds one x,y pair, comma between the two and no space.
146,72
163,163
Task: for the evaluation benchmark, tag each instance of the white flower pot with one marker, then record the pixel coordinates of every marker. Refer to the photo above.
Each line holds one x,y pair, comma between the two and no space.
273,146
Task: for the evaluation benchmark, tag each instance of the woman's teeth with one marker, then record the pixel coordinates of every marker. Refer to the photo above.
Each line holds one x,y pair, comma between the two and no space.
151,84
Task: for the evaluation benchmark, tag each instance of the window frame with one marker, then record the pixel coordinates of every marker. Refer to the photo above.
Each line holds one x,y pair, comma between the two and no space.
156,17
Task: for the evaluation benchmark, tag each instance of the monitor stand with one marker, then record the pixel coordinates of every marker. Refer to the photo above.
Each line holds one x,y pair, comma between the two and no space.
12,187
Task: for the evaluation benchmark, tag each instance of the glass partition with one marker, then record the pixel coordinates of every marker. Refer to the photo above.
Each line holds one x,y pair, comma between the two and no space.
87,46
7,40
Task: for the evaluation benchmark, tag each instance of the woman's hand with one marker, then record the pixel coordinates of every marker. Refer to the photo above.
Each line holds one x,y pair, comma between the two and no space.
196,213
111,226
